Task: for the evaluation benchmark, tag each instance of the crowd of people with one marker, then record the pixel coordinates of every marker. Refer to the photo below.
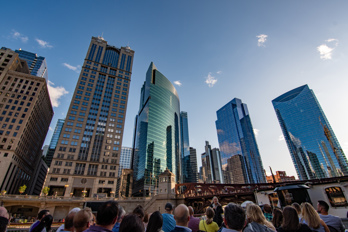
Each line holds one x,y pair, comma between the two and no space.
111,217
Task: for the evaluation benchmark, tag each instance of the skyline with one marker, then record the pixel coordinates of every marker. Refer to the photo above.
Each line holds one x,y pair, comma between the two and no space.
213,52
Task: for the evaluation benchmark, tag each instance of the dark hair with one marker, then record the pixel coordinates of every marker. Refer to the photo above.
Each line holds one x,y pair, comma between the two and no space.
69,221
155,222
290,219
324,205
234,216
3,224
107,213
45,222
267,208
139,211
42,213
277,218
132,223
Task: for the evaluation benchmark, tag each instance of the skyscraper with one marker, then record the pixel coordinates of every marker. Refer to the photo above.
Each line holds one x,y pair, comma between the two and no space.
211,165
157,143
125,159
236,137
193,173
185,145
26,113
86,158
314,148
37,64
54,141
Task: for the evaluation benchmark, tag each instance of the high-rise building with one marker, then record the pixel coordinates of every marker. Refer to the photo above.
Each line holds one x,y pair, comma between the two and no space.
37,64
157,144
211,165
54,141
235,169
26,113
125,159
185,152
192,172
314,148
87,155
236,137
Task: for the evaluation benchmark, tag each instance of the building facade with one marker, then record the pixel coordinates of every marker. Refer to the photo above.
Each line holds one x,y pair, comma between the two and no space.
314,148
25,115
54,141
157,143
37,64
185,152
87,155
236,137
280,176
211,165
193,171
125,159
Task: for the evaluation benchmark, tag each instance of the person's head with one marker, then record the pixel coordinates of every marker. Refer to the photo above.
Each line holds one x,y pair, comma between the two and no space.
277,217
139,211
45,222
4,219
234,217
168,208
290,219
297,207
267,208
132,223
310,215
181,215
215,200
254,214
155,222
210,215
69,221
83,220
42,214
107,214
323,207
121,214
191,211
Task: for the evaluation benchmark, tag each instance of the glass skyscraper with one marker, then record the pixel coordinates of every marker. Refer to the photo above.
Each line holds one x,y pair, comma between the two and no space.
125,159
236,137
37,64
54,141
185,145
313,146
157,143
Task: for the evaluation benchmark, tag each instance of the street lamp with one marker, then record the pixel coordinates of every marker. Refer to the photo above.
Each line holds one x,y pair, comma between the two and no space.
65,187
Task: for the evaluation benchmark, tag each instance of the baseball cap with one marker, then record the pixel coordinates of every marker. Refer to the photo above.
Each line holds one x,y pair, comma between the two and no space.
169,206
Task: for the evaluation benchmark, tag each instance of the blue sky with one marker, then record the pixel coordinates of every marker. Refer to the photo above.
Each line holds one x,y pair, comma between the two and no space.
214,50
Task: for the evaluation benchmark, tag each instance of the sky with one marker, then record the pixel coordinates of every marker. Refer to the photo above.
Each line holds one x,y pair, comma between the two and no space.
212,51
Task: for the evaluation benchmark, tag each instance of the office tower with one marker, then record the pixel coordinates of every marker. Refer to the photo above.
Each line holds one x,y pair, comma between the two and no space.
192,172
185,151
54,141
37,64
125,159
236,137
211,163
39,177
26,113
235,171
313,146
157,144
44,150
87,155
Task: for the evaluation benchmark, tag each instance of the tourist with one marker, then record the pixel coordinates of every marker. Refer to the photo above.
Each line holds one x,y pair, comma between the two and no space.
121,214
256,220
139,211
234,218
146,219
291,222
168,218
68,221
4,219
217,210
132,223
330,220
277,218
208,224
182,217
155,222
267,212
194,221
83,220
312,219
106,217
298,209
45,224
41,215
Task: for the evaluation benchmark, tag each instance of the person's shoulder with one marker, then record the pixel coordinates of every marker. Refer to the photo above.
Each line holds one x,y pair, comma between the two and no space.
304,228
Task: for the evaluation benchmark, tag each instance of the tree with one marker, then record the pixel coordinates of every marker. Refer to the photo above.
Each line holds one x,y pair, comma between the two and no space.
22,189
45,190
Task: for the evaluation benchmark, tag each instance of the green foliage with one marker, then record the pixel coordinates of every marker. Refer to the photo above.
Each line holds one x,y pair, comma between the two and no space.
45,190
22,189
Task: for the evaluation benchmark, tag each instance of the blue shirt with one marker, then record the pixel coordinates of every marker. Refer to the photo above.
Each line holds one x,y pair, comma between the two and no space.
116,227
168,222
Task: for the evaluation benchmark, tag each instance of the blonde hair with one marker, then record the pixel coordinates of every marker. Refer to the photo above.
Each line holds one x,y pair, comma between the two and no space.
254,214
210,215
310,215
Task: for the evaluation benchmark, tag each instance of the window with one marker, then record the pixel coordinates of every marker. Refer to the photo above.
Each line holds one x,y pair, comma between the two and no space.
336,197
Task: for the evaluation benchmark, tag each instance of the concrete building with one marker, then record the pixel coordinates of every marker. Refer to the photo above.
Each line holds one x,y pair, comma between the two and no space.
25,115
235,169
193,173
280,176
86,160
211,165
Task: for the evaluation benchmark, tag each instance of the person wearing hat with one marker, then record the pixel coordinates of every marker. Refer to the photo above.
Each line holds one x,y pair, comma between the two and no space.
168,218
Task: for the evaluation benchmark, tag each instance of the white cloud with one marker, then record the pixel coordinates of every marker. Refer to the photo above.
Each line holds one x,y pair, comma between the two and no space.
178,83
210,80
219,72
256,132
261,40
43,44
326,50
281,138
17,35
55,93
74,68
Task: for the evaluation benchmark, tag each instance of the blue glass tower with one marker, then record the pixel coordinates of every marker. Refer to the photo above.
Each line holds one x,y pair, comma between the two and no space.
37,64
313,146
157,143
185,153
54,141
236,137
